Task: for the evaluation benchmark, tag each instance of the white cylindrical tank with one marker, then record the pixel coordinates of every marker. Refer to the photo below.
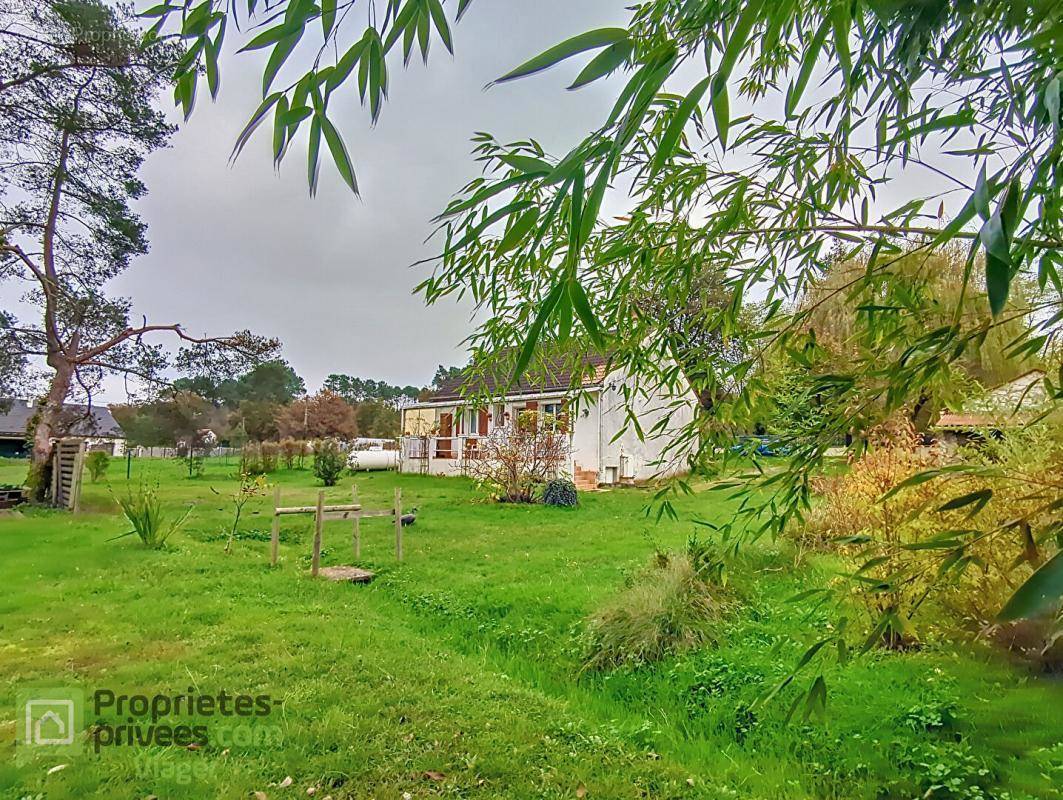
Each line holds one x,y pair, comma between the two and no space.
373,459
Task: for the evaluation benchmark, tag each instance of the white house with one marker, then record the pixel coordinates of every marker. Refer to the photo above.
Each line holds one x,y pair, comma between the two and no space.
440,435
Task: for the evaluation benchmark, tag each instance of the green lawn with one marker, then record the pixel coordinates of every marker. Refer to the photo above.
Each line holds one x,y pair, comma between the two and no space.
455,674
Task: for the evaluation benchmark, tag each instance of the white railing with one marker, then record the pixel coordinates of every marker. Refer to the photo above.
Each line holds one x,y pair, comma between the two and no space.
456,447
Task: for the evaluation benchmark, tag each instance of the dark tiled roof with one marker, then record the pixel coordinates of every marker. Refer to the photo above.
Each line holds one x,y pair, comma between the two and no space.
554,374
78,420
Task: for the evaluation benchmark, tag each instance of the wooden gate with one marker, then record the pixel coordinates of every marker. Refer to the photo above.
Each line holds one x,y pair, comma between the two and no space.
68,459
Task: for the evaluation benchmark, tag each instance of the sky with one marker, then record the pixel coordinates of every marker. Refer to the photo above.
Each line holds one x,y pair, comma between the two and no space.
241,246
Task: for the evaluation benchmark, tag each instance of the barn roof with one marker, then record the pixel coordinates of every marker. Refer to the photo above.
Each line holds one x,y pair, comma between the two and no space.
79,420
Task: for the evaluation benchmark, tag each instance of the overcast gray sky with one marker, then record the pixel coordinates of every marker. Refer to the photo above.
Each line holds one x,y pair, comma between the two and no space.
242,247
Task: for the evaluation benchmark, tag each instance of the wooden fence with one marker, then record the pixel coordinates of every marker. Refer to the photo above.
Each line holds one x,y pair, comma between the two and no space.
352,511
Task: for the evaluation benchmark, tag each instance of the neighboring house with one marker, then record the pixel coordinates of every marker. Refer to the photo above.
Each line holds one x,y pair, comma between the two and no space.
94,423
440,434
1009,405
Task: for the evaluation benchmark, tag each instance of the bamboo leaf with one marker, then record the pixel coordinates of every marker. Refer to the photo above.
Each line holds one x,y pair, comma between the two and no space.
529,165
721,112
313,151
280,130
254,122
605,63
339,152
981,497
328,17
528,349
518,230
679,120
280,54
1040,593
808,63
583,310
439,18
591,40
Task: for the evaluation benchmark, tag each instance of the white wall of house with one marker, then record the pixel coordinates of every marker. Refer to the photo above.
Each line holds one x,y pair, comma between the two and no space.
629,459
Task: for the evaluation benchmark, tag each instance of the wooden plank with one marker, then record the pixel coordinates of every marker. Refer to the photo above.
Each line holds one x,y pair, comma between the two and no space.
275,534
319,520
335,515
79,468
313,509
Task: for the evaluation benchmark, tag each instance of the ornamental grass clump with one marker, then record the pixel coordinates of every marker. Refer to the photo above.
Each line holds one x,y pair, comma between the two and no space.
669,607
143,510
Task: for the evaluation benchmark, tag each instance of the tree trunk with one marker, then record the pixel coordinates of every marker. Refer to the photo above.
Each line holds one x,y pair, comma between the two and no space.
45,424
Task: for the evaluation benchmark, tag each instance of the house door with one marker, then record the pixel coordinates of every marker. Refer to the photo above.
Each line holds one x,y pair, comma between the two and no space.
444,444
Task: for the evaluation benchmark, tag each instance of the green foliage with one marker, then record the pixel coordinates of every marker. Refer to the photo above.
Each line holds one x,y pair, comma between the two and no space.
780,199
669,607
251,486
143,510
360,390
330,459
97,462
560,492
356,56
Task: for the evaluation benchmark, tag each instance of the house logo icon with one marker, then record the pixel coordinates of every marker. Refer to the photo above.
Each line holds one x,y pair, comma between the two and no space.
52,721
50,718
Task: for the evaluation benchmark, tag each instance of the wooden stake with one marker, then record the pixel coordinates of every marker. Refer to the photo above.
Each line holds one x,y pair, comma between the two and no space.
75,479
398,524
275,537
356,541
319,521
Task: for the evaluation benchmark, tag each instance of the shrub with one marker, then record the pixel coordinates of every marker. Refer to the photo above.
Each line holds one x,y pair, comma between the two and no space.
97,463
939,540
259,458
292,451
668,607
143,509
269,454
515,461
330,459
560,492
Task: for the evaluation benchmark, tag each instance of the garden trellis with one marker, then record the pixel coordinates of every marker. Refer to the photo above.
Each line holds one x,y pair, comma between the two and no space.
352,511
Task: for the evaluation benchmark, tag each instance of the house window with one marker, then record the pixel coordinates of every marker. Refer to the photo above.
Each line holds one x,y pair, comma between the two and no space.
555,411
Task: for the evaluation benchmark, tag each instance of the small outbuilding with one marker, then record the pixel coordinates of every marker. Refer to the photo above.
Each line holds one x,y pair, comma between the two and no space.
95,424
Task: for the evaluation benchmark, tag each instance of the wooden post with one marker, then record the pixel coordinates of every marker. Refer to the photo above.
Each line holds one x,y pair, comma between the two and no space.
275,537
398,524
356,541
319,521
75,480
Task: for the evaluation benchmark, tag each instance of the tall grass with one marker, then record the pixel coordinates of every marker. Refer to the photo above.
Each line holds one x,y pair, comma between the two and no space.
668,607
143,509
